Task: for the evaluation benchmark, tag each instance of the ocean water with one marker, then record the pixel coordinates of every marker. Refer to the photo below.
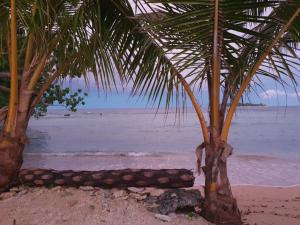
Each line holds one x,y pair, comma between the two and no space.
266,142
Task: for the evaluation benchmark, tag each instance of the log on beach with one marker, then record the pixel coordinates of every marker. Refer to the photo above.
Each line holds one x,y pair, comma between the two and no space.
163,178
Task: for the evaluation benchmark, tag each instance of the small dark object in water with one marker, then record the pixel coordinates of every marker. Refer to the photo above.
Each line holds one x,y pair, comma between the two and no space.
175,200
68,114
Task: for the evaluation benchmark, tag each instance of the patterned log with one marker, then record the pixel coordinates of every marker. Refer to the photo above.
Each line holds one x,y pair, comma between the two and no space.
164,178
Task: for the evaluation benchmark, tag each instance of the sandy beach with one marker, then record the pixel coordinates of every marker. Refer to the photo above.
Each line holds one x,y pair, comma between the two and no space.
41,206
269,205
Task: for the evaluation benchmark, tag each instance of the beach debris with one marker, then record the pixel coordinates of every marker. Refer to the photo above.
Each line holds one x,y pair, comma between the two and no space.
71,189
14,189
164,218
57,188
198,209
136,190
119,193
124,197
107,193
38,191
105,207
21,193
17,189
172,215
6,195
137,196
177,199
66,193
154,191
93,193
86,188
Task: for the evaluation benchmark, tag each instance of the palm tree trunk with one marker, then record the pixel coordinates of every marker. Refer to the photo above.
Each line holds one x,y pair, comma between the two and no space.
13,137
13,62
220,206
11,159
10,146
215,78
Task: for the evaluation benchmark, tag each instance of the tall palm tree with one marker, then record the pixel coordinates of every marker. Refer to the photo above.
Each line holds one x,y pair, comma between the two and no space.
46,40
228,45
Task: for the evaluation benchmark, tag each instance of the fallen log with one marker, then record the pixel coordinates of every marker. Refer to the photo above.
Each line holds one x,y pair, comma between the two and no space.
164,178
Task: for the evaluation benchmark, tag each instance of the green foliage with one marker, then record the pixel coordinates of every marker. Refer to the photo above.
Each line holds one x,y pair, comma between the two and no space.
90,38
56,95
61,96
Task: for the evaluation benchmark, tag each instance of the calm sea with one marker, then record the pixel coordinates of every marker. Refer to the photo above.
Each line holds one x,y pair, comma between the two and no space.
266,142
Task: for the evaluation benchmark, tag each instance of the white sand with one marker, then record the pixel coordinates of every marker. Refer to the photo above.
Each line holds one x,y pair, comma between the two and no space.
76,207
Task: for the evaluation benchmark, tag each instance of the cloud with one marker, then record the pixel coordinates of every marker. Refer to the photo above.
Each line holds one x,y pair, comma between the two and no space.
296,94
271,93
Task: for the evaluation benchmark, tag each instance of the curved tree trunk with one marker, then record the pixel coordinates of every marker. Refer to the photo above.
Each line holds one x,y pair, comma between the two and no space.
11,158
11,148
220,206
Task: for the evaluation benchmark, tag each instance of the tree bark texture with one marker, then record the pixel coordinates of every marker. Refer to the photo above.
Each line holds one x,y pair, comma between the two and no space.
11,158
220,207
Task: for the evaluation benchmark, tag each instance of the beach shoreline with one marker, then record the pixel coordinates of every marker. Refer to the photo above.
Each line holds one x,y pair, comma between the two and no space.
243,170
265,142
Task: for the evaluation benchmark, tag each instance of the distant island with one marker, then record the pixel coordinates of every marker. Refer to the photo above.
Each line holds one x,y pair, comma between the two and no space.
249,104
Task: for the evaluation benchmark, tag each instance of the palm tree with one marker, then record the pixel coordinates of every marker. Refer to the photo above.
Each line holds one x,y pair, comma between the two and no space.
222,43
46,40
227,45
